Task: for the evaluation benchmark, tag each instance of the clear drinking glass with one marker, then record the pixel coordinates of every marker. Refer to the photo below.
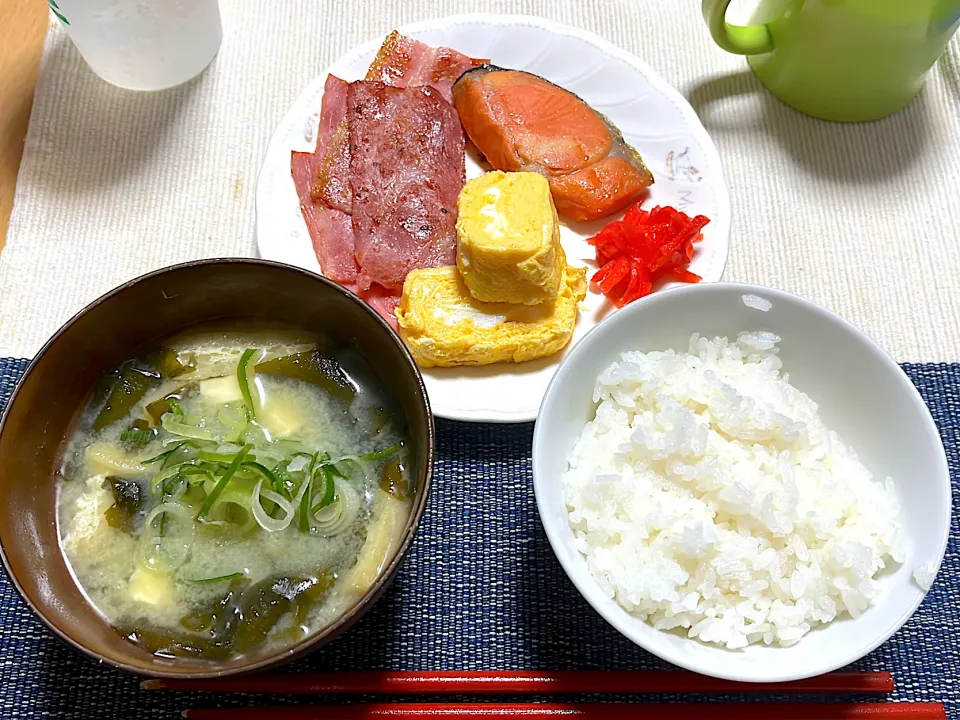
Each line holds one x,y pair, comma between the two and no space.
143,44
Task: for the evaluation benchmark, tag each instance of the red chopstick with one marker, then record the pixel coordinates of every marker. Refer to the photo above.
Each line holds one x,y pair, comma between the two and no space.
599,711
524,683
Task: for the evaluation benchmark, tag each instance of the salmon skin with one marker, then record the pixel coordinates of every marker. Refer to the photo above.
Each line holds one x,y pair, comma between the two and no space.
519,121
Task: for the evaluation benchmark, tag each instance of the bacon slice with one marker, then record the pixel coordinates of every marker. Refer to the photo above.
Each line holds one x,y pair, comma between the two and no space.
401,62
383,301
326,183
406,171
404,62
330,226
331,231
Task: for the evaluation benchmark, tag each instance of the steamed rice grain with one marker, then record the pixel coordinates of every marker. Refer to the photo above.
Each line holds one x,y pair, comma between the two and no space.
706,494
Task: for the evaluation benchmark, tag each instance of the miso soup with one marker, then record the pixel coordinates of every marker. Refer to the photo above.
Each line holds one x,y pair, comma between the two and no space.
232,490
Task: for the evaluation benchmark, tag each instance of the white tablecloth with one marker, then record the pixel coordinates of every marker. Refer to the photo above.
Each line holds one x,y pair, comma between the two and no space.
860,218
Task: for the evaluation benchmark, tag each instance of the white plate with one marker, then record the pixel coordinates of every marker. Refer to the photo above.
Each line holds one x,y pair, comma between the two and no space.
653,117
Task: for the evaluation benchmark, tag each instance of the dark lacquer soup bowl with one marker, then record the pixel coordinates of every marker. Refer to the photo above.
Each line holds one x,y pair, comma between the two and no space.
49,403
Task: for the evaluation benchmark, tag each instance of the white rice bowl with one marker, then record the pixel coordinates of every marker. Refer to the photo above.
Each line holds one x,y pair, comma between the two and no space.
707,497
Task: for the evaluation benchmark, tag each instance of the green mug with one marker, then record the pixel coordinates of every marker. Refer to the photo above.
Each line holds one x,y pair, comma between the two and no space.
842,60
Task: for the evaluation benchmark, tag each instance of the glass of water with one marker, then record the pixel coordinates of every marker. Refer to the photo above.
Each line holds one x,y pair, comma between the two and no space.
143,44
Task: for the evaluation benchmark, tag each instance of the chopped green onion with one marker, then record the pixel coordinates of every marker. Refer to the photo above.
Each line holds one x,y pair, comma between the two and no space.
218,457
173,488
270,476
221,578
174,406
137,436
191,469
293,444
164,474
329,493
267,521
268,453
345,467
184,430
232,419
282,471
313,462
305,505
180,456
222,483
244,384
163,455
320,505
160,511
381,454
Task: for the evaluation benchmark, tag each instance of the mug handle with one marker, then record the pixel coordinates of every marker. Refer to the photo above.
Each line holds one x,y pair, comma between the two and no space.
742,40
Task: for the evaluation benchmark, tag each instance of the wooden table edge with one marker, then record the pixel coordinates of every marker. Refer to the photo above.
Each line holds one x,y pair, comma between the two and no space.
22,31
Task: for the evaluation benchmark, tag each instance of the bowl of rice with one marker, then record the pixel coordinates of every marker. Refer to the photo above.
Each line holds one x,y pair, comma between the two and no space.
741,482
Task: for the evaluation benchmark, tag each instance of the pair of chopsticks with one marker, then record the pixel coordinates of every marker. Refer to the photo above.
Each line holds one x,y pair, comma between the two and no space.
576,682
555,683
597,711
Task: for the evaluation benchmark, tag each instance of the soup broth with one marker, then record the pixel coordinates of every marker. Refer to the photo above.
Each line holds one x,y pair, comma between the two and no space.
232,491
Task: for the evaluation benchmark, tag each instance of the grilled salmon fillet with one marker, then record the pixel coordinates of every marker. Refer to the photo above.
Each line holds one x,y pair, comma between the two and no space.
519,121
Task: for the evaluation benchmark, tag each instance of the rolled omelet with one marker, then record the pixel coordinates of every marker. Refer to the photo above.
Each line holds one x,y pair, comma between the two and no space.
445,326
508,239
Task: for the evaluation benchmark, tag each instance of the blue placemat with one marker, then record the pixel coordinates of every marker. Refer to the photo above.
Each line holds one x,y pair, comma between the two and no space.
481,589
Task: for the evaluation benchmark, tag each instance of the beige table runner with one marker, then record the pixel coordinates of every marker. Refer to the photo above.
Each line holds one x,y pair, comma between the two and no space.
860,218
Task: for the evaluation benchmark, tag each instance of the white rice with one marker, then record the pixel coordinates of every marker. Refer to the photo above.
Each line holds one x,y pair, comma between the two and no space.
923,576
707,495
757,303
